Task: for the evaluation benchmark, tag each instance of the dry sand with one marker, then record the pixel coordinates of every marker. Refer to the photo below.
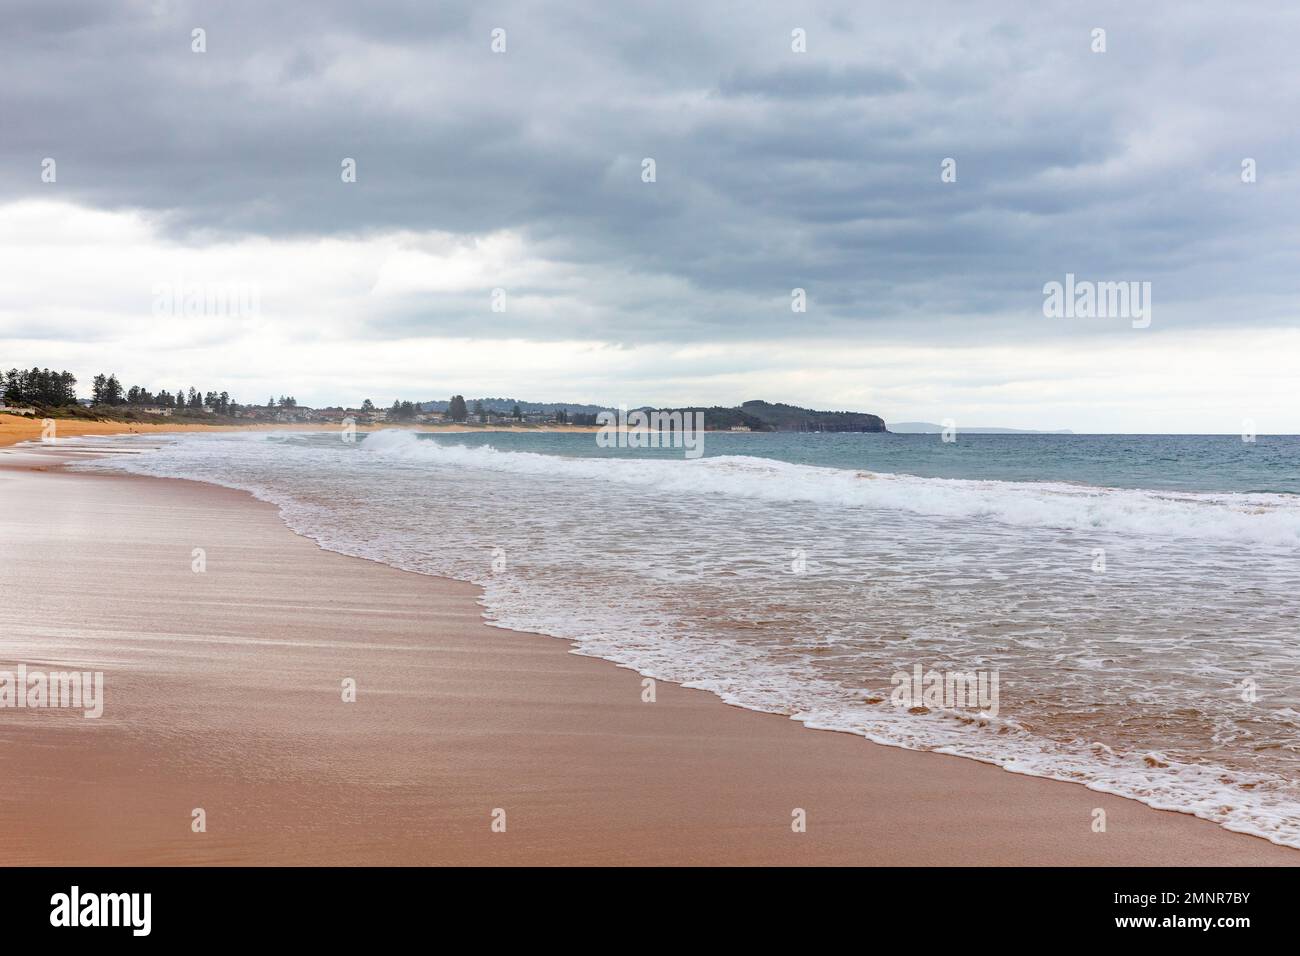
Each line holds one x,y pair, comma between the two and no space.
16,428
223,692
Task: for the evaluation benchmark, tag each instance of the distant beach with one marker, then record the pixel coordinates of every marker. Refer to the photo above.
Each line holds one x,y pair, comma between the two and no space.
18,428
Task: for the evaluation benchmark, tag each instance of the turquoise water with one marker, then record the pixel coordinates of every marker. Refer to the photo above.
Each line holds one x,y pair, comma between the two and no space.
1222,463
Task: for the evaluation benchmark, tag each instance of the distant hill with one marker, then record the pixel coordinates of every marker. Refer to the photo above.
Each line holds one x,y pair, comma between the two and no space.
763,416
930,428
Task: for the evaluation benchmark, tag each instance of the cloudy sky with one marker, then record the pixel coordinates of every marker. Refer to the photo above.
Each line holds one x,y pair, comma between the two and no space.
523,171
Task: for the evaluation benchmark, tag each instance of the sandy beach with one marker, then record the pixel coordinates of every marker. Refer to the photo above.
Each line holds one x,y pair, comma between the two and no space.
223,692
18,428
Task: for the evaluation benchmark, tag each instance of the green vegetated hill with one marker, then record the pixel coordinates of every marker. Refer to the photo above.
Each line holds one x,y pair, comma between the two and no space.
763,416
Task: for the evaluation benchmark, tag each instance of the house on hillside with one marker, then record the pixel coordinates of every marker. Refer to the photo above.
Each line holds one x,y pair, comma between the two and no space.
296,413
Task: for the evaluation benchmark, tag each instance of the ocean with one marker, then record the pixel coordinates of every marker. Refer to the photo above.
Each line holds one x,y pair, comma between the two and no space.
1134,600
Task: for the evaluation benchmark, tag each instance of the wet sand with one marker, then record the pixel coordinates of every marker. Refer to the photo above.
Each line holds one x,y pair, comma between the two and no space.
223,692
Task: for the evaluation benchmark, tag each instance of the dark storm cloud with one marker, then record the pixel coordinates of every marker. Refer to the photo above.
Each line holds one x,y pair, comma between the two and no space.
774,169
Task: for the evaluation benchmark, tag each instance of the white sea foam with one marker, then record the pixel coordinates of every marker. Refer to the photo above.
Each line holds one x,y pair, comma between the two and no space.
1264,519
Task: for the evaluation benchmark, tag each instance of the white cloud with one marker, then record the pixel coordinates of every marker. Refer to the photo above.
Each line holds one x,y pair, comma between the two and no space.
79,286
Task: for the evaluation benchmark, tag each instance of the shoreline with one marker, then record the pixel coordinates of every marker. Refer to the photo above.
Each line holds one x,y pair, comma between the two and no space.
233,705
20,428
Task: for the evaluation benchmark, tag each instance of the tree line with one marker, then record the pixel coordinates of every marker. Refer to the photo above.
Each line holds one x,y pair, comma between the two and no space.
457,411
50,389
39,386
402,411
107,390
